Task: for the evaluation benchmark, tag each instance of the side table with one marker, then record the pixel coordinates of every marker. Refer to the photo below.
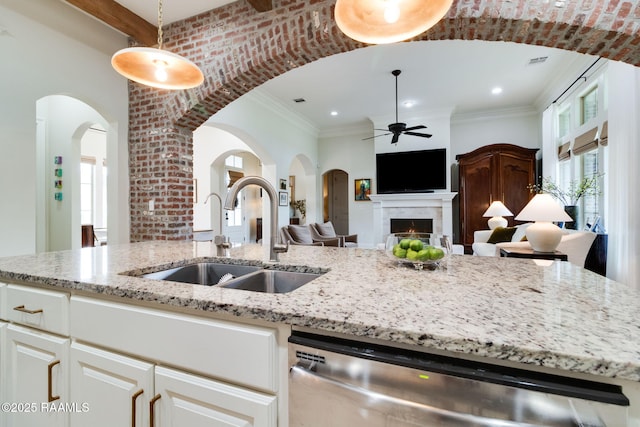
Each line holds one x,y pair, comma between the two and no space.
530,253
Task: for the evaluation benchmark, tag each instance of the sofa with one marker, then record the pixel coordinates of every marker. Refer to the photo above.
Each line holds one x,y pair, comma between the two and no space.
576,244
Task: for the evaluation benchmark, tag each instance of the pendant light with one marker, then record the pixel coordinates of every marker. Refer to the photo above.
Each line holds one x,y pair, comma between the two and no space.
156,67
388,21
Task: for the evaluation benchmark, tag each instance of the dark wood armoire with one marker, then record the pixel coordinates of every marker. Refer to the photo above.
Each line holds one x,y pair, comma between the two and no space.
493,172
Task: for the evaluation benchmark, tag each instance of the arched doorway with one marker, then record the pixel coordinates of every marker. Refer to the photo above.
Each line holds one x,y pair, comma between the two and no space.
63,123
335,195
219,156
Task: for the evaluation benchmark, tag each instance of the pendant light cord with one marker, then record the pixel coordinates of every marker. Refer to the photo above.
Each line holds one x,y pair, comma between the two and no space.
160,24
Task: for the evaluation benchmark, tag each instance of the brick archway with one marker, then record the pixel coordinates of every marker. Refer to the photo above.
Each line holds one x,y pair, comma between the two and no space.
239,49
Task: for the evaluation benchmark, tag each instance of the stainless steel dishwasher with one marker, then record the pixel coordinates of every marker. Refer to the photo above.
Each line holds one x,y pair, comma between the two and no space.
341,383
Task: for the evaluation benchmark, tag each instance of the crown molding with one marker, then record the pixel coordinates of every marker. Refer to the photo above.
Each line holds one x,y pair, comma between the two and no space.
291,116
494,114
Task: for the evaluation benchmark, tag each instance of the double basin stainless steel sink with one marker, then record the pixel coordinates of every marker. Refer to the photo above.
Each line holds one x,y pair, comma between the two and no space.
234,276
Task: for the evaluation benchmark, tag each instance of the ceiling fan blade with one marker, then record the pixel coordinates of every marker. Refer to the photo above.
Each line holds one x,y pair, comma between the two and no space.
394,140
375,136
416,127
423,135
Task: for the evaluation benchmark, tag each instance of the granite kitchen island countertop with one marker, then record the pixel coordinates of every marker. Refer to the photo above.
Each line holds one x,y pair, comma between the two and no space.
558,316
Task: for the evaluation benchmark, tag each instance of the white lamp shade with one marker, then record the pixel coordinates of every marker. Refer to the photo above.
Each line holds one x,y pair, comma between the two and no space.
543,208
496,211
543,235
497,208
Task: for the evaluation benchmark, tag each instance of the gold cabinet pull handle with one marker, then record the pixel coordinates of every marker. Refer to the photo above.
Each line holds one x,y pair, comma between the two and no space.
151,414
50,381
26,310
133,406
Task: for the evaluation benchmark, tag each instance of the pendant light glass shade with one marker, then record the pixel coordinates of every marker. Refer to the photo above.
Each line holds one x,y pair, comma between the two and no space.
157,68
388,21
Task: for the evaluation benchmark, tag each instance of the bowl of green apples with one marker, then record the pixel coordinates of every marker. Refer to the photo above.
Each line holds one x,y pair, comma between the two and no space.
418,249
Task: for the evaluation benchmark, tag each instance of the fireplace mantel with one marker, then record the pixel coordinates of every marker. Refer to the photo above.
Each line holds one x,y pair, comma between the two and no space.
437,206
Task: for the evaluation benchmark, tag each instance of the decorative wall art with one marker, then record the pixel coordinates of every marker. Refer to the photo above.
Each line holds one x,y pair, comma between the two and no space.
284,198
57,183
362,189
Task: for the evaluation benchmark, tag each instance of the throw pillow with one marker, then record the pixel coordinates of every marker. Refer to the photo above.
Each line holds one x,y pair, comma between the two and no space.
326,229
519,235
300,233
501,234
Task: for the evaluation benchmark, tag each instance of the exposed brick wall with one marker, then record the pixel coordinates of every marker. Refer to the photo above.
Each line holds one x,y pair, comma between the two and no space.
238,49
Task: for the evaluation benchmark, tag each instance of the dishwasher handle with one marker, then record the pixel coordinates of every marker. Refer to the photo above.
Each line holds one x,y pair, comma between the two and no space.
305,382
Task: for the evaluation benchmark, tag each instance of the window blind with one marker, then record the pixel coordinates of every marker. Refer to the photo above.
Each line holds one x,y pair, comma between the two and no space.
234,176
564,151
586,142
604,133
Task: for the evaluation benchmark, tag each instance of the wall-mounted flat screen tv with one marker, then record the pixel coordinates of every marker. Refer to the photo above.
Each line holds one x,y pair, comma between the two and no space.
411,171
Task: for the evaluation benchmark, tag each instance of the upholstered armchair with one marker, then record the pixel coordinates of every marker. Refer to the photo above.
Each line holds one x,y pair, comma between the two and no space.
303,235
326,230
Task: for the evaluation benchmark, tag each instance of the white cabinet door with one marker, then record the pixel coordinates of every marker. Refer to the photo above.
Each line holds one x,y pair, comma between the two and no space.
108,388
189,400
37,373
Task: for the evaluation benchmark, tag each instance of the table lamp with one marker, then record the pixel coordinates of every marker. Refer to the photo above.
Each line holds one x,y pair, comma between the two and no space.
497,211
543,235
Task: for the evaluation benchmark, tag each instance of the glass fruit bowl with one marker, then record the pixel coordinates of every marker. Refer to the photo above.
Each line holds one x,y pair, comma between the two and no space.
418,249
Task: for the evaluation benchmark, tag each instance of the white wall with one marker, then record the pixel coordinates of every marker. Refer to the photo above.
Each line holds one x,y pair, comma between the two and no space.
348,152
42,61
518,127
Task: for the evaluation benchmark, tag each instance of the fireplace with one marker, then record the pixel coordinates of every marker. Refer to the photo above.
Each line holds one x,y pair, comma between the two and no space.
412,225
434,206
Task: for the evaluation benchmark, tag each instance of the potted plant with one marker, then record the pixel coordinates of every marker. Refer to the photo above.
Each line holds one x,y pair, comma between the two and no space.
570,197
300,205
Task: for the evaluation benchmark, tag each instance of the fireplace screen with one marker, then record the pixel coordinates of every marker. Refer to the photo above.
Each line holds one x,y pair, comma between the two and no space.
411,225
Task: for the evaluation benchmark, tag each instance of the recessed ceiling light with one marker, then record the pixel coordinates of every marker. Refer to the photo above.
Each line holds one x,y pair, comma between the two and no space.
334,113
496,90
408,104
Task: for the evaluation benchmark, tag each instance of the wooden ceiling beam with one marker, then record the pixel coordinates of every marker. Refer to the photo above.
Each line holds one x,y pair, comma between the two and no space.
261,5
121,18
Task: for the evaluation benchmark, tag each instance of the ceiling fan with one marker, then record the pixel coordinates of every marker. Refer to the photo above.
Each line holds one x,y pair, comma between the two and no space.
396,129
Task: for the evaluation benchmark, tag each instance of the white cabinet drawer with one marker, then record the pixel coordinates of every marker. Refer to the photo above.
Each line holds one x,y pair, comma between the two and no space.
38,308
241,354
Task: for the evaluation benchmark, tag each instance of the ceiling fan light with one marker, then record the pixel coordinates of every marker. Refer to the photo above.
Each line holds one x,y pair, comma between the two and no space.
366,20
150,66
